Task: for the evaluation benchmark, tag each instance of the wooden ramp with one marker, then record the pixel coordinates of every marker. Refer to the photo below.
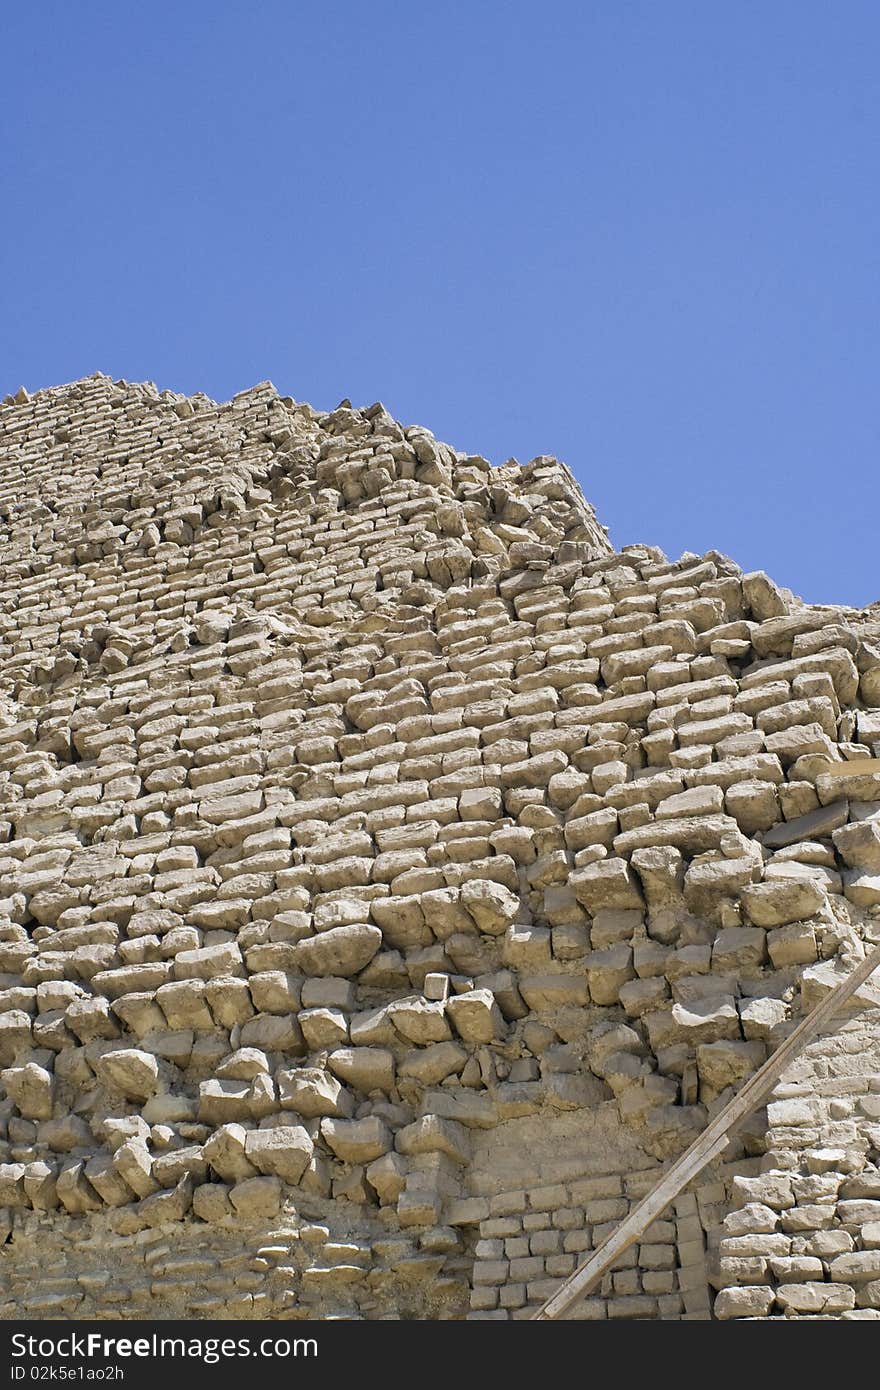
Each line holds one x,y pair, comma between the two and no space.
709,1144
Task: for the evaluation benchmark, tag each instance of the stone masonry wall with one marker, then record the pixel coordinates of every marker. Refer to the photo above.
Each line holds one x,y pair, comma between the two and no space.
393,878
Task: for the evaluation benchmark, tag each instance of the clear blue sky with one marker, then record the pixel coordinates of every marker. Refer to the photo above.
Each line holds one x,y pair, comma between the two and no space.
642,236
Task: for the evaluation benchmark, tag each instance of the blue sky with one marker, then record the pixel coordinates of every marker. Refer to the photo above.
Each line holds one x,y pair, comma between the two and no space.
641,236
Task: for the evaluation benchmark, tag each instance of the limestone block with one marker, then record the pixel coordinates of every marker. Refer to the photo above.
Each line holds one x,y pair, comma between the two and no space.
221,1101
660,869
526,947
388,1176
357,1141
273,992
15,1034
225,1151
41,1188
256,1199
646,1094
752,1219
211,1202
402,921
339,951
776,903
753,805
702,1020
765,599
329,992
748,1301
312,1092
434,1134
282,1150
707,885
323,1027
856,1267
762,1018
273,1033
475,1016
492,906
596,828
567,1092
31,1088
431,1064
365,1068
607,884
139,1012
696,801
209,962
131,1071
183,1004
641,996
373,1027
859,844
170,1168
229,1000
810,826
792,945
221,809
132,979
738,949
547,992
607,970
75,1192
860,888
858,780
796,1111
727,1062
420,1021
12,1193
815,1297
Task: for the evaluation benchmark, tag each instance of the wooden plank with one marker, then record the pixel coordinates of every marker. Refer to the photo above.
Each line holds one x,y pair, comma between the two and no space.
710,1143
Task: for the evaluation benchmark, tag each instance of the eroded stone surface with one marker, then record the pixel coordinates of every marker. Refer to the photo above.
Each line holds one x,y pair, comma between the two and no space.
357,799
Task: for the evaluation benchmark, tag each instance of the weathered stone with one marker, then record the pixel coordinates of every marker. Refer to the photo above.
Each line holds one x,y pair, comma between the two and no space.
607,970
420,1021
776,903
31,1088
364,1068
860,888
388,1176
357,1141
475,1016
129,1070
764,598
859,844
369,827
606,884
792,945
225,1151
815,1297
284,1151
312,1092
492,906
543,992
223,1101
211,1202
727,1062
433,1134
339,951
822,821
256,1199
432,1064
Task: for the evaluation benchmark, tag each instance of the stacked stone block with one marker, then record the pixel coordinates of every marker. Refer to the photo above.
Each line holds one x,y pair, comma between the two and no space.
356,798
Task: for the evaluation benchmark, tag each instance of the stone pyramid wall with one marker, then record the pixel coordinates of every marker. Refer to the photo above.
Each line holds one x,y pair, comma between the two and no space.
392,877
